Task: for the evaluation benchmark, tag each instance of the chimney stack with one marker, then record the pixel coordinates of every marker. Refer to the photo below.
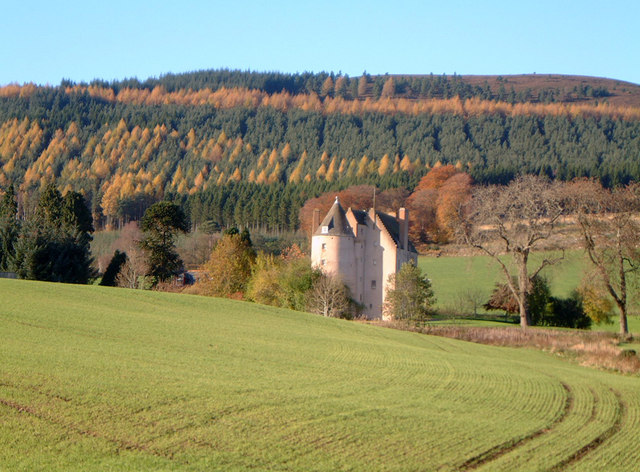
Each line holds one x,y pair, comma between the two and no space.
315,221
403,221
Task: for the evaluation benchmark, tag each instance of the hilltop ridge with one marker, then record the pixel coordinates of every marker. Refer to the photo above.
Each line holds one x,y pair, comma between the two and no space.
214,140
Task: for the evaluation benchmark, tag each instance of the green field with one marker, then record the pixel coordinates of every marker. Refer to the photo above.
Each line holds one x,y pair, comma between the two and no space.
453,275
95,378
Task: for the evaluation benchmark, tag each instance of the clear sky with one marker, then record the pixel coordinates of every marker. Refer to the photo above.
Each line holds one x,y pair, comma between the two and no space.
46,41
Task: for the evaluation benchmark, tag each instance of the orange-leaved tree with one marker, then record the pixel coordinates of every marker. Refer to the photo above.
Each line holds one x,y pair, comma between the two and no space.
429,211
452,196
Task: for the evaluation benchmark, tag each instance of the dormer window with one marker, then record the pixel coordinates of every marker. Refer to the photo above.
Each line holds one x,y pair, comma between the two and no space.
325,230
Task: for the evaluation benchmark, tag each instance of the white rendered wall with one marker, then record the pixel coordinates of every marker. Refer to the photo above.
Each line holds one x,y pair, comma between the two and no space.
335,255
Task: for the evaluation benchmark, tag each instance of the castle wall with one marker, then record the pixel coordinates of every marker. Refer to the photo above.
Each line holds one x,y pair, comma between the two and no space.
364,257
389,264
373,266
335,255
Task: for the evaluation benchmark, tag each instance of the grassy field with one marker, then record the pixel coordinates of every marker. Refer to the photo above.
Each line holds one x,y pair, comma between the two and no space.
454,277
93,378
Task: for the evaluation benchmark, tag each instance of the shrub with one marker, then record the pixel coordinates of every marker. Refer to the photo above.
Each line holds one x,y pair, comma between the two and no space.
284,280
596,304
566,312
545,310
229,267
409,295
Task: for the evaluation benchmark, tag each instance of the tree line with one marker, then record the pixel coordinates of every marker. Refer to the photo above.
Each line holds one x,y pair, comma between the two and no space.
53,244
332,84
511,221
123,157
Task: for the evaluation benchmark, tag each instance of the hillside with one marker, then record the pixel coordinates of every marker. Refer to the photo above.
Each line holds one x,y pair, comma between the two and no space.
270,141
618,93
94,378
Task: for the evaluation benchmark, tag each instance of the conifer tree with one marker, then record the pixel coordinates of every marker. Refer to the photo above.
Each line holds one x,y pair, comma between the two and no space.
160,224
54,244
9,229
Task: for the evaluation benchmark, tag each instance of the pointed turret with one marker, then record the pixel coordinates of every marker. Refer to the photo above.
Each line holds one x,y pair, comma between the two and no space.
335,223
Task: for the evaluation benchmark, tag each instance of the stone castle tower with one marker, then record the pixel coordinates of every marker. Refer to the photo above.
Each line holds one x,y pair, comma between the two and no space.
362,248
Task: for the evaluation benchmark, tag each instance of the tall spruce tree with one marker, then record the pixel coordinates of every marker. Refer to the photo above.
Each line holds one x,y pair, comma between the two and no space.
160,224
54,244
9,229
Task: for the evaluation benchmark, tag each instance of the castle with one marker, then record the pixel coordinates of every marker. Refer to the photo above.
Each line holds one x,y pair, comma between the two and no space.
362,248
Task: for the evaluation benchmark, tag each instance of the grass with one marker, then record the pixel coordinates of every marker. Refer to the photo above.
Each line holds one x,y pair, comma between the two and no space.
453,276
94,378
597,349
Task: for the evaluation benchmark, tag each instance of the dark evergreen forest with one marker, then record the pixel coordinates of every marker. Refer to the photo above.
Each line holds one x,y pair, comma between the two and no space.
425,86
255,166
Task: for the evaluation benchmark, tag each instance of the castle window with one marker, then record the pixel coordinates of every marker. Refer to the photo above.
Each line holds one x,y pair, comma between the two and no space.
373,284
375,262
324,246
323,262
325,230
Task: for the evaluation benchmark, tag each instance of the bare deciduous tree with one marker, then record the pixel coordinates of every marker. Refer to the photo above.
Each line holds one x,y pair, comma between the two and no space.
611,232
513,220
468,300
328,296
134,270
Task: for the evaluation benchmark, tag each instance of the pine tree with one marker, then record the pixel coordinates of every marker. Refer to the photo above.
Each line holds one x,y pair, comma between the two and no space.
160,224
9,229
362,86
54,244
327,87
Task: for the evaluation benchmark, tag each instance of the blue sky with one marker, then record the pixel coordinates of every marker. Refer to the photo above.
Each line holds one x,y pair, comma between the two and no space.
46,41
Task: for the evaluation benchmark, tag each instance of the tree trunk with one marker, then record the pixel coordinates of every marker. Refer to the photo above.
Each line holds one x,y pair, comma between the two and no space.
624,327
621,300
523,290
525,316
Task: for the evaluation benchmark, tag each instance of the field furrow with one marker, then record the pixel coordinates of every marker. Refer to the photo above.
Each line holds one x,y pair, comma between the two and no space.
491,455
591,446
93,378
588,416
617,448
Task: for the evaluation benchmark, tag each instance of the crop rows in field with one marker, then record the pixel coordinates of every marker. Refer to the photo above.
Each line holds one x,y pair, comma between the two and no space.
591,417
95,378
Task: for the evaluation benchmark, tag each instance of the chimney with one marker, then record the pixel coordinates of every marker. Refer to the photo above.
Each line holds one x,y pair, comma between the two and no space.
403,221
315,221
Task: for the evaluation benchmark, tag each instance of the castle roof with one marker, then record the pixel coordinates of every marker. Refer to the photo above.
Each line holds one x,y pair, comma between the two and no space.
393,228
361,216
335,223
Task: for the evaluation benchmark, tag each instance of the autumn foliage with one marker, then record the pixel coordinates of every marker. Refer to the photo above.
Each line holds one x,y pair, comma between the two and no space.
435,204
226,98
358,197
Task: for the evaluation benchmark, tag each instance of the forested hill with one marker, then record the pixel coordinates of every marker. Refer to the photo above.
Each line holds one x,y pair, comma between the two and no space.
249,148
546,88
